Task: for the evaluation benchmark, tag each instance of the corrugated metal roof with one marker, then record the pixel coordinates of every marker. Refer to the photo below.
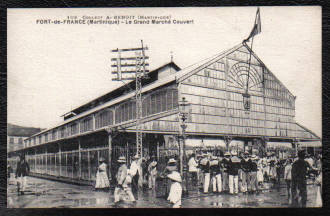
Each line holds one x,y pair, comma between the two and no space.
174,77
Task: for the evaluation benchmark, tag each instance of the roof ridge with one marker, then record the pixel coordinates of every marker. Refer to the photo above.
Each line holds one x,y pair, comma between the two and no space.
205,62
263,64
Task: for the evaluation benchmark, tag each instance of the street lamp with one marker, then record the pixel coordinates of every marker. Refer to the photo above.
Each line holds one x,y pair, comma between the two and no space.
296,142
184,115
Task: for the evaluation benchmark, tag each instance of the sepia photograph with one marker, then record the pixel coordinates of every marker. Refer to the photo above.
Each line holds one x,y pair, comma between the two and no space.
191,107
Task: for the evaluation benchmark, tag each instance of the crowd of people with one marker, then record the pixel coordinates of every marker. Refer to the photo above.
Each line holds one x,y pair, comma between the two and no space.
247,174
228,173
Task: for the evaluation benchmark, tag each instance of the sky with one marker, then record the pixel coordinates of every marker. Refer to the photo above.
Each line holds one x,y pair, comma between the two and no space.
53,68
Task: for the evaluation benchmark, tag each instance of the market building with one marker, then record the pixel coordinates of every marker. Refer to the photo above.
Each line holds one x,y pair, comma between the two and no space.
222,115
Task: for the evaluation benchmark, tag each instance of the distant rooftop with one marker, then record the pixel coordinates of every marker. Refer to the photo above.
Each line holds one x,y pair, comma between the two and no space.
16,130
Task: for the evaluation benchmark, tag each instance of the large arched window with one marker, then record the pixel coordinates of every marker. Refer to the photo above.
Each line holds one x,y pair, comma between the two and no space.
104,118
160,101
125,112
86,124
156,102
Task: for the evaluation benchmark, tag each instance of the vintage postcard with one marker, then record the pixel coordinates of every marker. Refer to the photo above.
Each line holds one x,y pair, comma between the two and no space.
195,107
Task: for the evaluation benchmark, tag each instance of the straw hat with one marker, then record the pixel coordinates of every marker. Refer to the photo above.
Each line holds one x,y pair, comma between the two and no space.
101,159
227,154
172,161
136,156
214,157
233,153
122,159
246,153
235,159
253,157
175,176
154,163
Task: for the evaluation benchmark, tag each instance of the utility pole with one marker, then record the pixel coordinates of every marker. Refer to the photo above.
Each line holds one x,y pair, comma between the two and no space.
184,115
138,63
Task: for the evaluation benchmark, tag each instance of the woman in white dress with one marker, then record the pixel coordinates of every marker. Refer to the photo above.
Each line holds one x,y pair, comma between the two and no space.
318,182
260,175
176,189
102,181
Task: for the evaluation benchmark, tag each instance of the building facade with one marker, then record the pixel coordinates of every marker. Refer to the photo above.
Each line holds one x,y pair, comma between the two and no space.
232,104
17,134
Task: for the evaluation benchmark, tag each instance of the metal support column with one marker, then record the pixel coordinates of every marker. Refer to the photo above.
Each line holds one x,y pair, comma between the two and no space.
35,160
140,73
89,164
66,164
158,150
46,160
109,154
60,158
79,152
138,97
55,164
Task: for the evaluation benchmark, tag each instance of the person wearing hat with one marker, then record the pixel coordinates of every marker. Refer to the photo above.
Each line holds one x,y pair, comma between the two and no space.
225,177
300,168
234,166
267,167
171,167
120,177
215,175
205,168
102,180
176,189
318,183
22,171
152,170
193,169
287,177
310,160
272,169
260,174
252,182
245,167
127,189
136,171
9,171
